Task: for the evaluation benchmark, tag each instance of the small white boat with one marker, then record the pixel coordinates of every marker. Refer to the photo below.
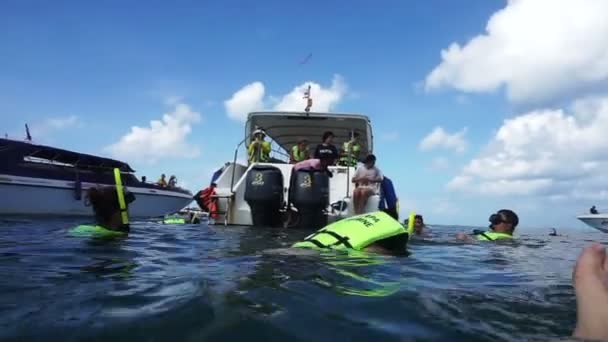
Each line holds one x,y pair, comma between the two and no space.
43,180
598,221
238,183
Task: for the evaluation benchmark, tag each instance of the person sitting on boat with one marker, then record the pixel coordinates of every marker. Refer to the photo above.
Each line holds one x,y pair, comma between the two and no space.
111,213
351,151
162,181
375,232
172,181
593,210
259,149
299,152
366,178
143,179
327,148
502,226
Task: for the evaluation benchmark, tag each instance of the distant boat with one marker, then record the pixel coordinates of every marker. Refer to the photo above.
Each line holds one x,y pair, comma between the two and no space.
598,220
44,180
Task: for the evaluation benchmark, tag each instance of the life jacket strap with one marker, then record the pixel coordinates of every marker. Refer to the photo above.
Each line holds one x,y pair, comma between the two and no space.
339,239
486,236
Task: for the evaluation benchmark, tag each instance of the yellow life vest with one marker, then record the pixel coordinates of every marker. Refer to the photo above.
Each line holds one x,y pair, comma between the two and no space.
260,153
357,232
298,155
174,220
492,236
95,231
351,151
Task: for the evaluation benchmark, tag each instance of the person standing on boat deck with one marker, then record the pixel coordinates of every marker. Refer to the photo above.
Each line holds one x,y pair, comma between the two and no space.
366,178
162,181
259,149
143,179
351,151
327,149
299,152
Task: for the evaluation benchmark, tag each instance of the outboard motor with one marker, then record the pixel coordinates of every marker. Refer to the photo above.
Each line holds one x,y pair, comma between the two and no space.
309,193
264,194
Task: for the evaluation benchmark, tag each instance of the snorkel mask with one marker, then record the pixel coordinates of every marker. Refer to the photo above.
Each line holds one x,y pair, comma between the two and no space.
124,197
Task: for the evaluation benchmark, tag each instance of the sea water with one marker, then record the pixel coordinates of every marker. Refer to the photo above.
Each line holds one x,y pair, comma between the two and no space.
212,283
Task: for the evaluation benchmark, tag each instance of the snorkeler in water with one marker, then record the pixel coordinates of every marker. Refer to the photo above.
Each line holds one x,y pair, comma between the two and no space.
376,232
502,226
110,206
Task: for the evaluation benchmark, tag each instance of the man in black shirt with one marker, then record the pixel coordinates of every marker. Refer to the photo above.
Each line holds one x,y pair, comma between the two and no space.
327,150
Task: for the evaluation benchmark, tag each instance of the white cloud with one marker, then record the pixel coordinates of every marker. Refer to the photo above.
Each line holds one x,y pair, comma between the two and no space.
252,97
324,99
544,152
247,99
439,138
165,138
539,50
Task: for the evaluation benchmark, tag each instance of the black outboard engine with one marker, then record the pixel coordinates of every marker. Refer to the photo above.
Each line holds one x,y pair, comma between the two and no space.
309,193
264,194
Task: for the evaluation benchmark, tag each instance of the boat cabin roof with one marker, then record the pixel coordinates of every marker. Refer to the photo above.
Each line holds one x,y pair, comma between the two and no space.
19,150
286,128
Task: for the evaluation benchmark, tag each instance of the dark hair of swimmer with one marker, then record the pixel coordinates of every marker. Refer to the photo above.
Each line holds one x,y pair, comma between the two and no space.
104,201
506,216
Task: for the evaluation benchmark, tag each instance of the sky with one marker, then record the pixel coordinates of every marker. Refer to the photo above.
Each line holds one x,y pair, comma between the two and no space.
476,105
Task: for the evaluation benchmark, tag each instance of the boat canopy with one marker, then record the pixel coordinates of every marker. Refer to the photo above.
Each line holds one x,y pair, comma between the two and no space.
286,128
14,149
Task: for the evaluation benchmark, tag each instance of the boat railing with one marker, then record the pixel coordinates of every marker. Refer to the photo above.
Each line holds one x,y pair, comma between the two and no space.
283,157
600,211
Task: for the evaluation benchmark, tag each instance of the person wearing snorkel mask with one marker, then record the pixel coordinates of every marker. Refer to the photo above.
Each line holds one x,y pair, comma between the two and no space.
110,206
502,226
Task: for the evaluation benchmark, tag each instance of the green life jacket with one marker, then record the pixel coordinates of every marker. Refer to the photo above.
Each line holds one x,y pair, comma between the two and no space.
261,153
298,155
95,231
492,236
174,220
357,232
351,153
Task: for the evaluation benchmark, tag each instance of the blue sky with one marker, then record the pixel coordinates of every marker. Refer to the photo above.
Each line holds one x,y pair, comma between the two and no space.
83,73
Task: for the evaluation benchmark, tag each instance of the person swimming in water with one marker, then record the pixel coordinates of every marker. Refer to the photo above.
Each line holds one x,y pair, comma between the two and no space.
420,228
502,226
110,206
376,232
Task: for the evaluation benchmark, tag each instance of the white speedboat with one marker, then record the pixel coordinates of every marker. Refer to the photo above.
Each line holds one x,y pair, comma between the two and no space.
270,193
43,180
598,221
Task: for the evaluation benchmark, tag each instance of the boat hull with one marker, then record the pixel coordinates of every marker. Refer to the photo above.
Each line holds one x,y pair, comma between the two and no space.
38,196
597,221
